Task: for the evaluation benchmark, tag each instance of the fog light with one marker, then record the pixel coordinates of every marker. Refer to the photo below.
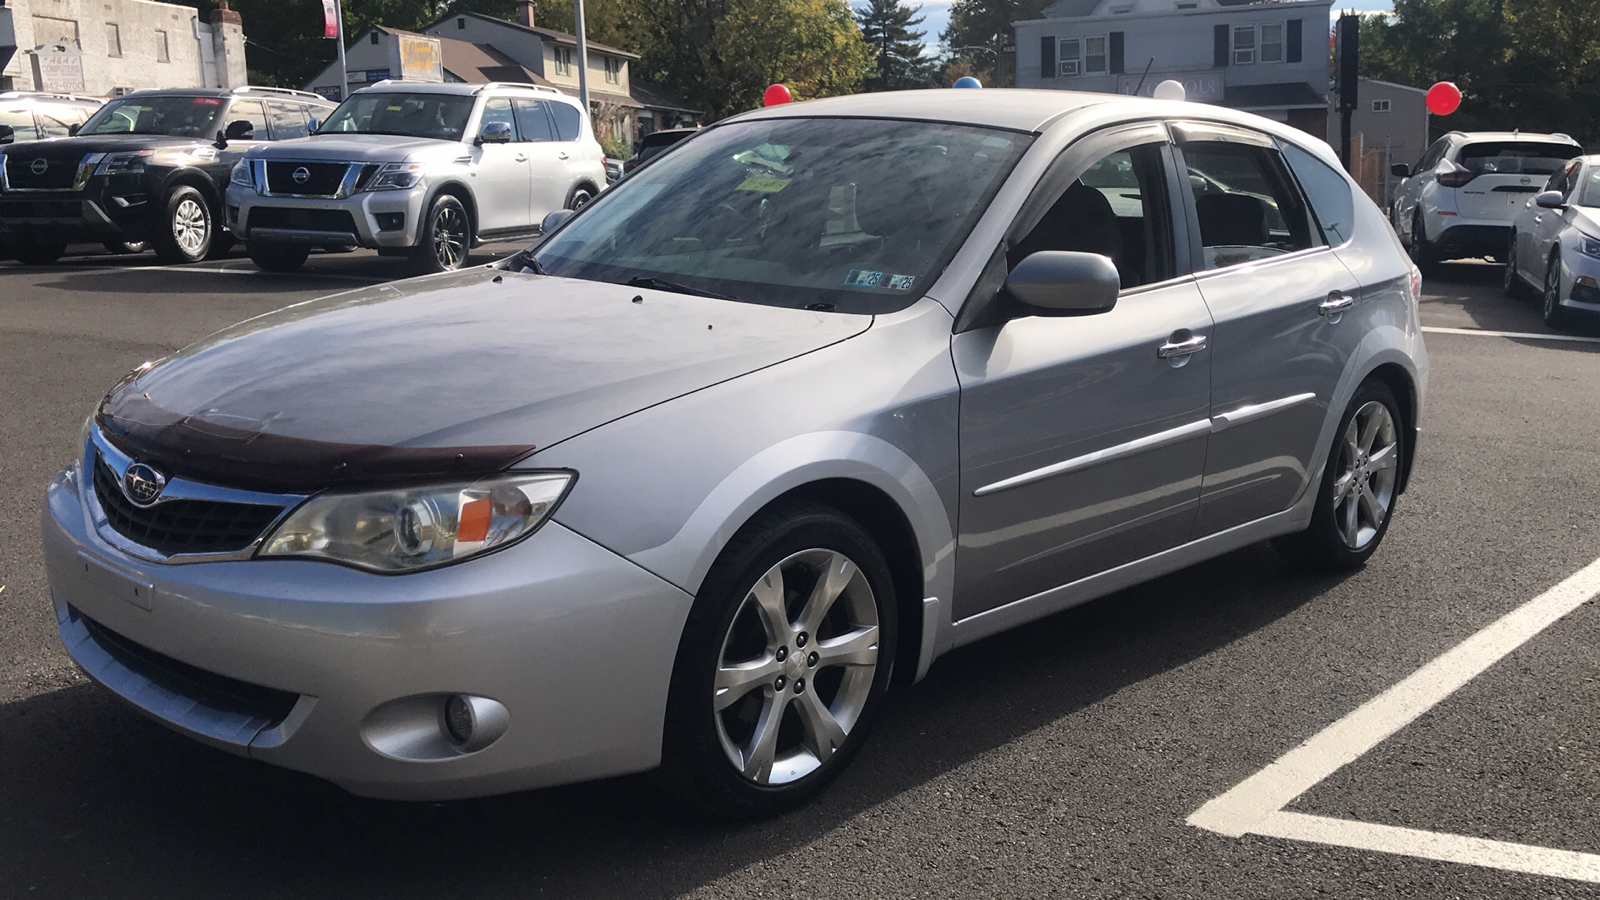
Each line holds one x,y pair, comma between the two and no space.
391,221
458,719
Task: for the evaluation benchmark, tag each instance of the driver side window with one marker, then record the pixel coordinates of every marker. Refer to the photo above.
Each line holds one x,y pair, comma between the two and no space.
1247,209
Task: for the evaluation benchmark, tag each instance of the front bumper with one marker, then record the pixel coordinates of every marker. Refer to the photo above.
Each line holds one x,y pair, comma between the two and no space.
315,666
1473,237
374,219
1581,279
108,207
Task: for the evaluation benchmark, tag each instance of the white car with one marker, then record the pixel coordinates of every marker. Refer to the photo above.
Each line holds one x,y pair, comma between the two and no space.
1461,197
1555,244
426,171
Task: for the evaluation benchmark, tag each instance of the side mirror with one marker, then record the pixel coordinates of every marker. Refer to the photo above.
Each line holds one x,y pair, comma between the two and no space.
7,134
73,129
312,126
1065,283
496,133
1400,170
240,130
1550,200
555,220
222,140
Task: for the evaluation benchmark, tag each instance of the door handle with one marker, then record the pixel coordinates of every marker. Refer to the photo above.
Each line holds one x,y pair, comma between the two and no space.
1337,302
561,155
1181,348
521,157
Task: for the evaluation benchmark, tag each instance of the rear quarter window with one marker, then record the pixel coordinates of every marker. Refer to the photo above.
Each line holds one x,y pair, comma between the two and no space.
1328,192
567,127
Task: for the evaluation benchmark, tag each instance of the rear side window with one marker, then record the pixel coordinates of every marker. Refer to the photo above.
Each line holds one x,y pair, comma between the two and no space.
532,121
288,121
1247,207
1328,192
567,127
1516,157
20,121
252,112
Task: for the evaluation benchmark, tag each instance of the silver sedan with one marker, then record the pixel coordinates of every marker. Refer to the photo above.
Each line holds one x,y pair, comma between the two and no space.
1555,244
691,484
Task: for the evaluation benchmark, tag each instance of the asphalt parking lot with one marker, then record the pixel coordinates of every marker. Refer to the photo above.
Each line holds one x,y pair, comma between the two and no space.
1064,759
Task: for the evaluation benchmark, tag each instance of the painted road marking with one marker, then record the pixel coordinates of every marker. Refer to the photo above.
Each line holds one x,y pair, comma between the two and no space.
1526,335
1255,805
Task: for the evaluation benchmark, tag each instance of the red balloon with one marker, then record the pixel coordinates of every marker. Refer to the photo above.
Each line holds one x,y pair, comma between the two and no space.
1444,98
777,94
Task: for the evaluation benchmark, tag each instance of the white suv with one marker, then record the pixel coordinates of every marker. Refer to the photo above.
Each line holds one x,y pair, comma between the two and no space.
1461,197
426,171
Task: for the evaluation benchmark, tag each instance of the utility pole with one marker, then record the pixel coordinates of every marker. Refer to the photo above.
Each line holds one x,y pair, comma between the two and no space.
344,71
583,57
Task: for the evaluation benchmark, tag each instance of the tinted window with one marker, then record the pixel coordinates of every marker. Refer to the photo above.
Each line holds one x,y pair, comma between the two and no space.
1433,155
288,121
175,116
1328,191
859,215
252,112
497,111
1246,206
1516,157
53,121
21,123
567,121
442,116
1118,208
532,120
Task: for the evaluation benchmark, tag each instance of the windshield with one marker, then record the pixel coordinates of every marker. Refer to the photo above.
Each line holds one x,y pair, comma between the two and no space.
858,215
440,116
174,116
1516,157
1589,194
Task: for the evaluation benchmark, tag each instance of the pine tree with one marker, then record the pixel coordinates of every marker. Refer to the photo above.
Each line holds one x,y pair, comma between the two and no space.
887,27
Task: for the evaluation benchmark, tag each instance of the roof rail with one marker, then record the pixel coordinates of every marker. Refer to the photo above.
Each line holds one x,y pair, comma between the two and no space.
516,84
1562,135
54,95
287,92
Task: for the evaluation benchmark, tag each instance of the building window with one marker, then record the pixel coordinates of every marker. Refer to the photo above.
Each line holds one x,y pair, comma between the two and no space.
563,57
1070,56
1272,43
163,49
1083,56
113,40
373,38
48,30
461,23
613,70
1380,106
1244,45
1094,56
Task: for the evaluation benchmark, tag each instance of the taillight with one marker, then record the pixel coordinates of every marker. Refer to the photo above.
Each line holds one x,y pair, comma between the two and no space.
1457,177
1416,284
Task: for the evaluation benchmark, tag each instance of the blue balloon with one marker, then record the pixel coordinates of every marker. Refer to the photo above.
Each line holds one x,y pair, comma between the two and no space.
967,81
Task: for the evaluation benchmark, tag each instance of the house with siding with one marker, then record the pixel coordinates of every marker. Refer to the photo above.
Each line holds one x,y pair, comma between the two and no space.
1269,58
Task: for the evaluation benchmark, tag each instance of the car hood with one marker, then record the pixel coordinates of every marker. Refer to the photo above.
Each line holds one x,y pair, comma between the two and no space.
1587,220
101,143
463,373
360,148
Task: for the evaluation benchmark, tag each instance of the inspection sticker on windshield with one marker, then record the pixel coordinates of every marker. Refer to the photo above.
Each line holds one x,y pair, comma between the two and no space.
764,185
207,101
863,278
901,282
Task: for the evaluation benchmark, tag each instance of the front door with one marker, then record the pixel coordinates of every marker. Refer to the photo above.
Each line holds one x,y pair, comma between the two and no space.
501,184
1083,439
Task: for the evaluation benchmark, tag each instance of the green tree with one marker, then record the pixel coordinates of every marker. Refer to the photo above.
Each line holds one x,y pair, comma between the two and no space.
986,25
887,25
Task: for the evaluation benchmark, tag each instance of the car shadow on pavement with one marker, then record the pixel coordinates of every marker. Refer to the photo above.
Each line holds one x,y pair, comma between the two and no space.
98,802
1471,292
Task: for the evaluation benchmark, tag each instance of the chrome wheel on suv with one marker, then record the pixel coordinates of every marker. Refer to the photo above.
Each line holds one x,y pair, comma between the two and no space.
188,230
446,238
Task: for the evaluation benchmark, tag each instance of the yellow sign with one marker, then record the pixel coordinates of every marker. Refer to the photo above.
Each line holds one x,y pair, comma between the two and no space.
764,185
417,58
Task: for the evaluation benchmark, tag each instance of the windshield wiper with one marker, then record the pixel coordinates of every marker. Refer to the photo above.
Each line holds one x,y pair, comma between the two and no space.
526,260
661,284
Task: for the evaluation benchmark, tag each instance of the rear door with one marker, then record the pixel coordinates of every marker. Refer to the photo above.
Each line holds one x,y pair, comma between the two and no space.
550,170
1279,295
1505,175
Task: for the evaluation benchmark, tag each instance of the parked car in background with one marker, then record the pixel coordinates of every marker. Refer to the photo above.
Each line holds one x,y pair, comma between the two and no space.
613,170
425,171
1555,244
654,144
147,168
824,393
1460,198
33,115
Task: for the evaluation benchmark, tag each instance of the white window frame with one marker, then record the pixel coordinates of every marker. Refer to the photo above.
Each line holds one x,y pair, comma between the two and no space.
1073,64
1243,55
1262,43
563,60
613,70
1380,106
1076,61
1104,55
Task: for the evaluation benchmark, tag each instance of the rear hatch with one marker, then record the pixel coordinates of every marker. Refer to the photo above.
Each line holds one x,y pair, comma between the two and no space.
1505,174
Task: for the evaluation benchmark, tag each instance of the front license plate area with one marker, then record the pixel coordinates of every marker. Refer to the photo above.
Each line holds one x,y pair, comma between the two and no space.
105,581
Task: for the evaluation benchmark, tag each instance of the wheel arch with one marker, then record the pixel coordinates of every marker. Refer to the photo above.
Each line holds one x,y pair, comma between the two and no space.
1404,388
462,193
580,184
199,181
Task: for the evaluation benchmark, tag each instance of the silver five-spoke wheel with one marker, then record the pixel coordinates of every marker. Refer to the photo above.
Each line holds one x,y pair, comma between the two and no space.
450,238
796,667
1369,460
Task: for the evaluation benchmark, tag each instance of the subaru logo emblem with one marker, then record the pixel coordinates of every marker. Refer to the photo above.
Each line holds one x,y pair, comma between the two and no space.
39,165
301,175
143,484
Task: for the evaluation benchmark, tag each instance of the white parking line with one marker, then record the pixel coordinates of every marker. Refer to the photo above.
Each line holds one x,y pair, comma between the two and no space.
1254,806
1527,335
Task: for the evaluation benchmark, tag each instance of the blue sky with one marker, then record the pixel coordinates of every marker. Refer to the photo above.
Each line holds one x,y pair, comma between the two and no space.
936,13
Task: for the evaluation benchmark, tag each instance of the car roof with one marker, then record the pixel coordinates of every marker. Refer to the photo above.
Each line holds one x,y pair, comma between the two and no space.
1474,137
465,89
243,93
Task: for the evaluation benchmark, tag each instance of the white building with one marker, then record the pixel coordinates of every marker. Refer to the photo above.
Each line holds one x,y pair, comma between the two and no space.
1270,58
118,46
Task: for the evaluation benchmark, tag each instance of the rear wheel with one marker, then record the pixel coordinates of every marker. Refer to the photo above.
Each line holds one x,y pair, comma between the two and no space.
32,251
1514,286
278,257
581,195
445,240
1555,315
186,231
1422,250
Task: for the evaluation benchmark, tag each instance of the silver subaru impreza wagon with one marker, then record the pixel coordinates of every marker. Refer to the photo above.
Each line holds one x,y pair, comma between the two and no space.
690,484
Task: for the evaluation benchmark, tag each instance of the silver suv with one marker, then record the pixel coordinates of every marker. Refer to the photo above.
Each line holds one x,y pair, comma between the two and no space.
420,170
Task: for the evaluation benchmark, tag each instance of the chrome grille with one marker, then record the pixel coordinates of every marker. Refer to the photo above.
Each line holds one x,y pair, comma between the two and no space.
172,527
322,179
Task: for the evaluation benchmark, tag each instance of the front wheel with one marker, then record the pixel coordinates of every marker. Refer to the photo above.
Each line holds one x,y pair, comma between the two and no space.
1355,500
1555,315
445,240
1422,250
32,251
782,665
273,257
187,230
1512,282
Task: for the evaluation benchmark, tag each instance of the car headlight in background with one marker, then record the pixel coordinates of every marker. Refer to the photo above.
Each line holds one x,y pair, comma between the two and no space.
130,163
242,174
1589,246
396,177
413,528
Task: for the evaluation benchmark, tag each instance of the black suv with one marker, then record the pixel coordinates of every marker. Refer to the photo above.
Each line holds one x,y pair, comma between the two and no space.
32,115
149,167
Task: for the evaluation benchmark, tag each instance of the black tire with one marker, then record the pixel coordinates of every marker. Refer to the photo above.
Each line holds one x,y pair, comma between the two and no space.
273,256
1512,283
445,240
1554,314
695,764
1422,250
1323,545
125,248
32,251
580,196
187,228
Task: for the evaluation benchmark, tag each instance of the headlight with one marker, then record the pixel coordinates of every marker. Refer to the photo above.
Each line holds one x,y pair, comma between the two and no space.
396,177
242,174
417,528
1589,247
131,163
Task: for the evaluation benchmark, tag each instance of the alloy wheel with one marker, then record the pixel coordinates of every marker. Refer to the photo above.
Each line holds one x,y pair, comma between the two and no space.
580,197
1369,460
796,667
1552,289
449,238
190,226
